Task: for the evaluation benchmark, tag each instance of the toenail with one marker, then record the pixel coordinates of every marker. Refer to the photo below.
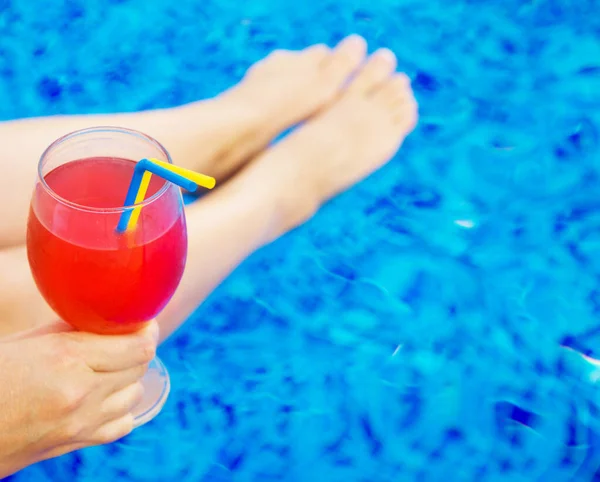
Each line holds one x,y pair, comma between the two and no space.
386,55
353,41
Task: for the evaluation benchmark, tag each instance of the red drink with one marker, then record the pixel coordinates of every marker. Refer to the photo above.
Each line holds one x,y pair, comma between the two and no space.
93,277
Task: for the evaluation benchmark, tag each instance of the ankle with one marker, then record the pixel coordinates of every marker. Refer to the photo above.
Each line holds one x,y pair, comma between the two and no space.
291,194
197,134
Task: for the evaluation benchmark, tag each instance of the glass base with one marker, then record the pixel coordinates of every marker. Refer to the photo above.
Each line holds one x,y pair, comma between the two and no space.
157,386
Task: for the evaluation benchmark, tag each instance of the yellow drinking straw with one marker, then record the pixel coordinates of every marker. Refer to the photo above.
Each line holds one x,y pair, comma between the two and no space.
139,197
185,178
200,179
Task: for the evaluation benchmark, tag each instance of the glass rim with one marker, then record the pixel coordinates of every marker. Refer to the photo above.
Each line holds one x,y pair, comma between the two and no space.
100,129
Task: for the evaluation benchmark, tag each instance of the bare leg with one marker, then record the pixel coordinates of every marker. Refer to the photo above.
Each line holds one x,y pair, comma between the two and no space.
286,184
215,136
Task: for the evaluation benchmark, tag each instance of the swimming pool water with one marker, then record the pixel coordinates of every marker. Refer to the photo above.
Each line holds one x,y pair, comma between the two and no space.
426,326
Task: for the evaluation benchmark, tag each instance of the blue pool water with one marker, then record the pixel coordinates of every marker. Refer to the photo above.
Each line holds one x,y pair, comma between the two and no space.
426,326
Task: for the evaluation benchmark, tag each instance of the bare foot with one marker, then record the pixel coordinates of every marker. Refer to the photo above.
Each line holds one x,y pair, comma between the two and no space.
278,92
355,136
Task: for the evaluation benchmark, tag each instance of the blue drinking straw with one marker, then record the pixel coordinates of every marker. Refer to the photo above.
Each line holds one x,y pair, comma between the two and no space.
139,184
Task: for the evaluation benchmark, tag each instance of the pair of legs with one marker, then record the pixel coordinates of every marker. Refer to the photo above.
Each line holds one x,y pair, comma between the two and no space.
357,112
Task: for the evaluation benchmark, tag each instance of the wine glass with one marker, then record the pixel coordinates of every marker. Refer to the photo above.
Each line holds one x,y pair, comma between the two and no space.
95,278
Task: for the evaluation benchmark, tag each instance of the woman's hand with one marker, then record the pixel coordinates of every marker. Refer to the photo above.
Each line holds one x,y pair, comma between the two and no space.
63,390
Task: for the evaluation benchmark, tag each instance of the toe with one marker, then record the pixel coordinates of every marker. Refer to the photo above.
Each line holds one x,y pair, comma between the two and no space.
408,115
316,52
405,113
395,90
345,59
378,69
397,98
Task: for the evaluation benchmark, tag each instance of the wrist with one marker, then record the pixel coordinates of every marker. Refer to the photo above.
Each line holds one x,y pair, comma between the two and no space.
11,462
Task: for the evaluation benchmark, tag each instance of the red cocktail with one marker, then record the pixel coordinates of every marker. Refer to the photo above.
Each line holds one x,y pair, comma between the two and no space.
95,278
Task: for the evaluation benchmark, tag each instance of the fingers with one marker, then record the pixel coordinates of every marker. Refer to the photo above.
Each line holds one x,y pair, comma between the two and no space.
113,420
112,431
111,353
122,402
111,382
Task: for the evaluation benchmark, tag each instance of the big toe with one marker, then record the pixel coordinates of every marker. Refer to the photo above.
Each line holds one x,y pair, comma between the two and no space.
345,58
377,70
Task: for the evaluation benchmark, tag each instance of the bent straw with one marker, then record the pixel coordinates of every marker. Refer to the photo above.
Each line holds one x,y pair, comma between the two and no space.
200,179
140,181
141,194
